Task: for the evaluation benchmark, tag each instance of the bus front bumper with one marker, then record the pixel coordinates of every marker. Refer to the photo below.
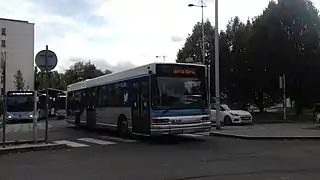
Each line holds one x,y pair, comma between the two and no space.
180,129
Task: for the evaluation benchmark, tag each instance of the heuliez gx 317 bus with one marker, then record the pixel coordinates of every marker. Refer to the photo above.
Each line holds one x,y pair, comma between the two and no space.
20,105
154,99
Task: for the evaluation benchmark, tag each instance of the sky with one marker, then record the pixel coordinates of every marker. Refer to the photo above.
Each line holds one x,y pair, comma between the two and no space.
119,34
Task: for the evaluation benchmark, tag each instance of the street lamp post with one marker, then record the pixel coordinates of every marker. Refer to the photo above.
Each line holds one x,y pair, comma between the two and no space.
202,29
217,83
164,58
202,5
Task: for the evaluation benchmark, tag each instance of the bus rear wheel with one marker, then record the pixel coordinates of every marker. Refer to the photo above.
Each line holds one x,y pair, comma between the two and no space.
122,126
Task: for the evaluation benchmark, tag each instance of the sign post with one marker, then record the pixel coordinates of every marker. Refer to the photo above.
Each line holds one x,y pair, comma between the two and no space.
4,105
46,61
282,85
35,123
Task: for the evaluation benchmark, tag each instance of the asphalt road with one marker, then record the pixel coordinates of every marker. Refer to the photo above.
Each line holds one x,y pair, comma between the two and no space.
168,158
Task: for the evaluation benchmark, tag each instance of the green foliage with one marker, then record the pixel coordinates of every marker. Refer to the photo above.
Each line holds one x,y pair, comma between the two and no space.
284,39
19,81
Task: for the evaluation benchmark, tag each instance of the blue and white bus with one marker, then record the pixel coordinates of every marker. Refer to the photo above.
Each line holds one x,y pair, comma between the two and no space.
154,99
20,105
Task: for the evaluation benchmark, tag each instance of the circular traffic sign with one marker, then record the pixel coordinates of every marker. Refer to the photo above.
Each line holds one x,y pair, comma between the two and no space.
46,60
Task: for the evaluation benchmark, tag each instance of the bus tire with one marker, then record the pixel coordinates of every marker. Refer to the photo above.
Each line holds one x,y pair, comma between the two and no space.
122,126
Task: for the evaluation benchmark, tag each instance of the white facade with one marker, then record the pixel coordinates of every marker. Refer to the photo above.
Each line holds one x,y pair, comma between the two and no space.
17,48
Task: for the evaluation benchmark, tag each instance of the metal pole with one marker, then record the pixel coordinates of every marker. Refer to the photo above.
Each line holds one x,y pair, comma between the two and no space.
35,118
47,94
202,34
217,83
4,106
284,98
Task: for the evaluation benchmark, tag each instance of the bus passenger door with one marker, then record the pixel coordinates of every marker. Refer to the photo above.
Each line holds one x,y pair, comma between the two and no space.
140,107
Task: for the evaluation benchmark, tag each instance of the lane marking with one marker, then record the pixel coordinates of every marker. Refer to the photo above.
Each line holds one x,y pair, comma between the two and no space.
118,139
71,144
96,141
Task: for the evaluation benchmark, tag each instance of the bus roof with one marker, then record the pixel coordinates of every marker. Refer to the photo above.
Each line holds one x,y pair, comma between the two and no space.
127,74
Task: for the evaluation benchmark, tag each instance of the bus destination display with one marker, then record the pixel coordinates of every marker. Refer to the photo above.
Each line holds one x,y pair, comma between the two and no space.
180,70
184,71
17,93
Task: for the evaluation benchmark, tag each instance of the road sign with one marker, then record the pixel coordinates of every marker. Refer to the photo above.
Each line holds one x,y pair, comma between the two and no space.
46,61
49,56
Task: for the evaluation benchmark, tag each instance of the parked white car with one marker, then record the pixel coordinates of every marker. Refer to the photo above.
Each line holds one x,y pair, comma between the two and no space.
229,117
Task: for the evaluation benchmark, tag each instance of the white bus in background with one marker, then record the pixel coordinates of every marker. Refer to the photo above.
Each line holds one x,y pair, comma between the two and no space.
154,99
59,105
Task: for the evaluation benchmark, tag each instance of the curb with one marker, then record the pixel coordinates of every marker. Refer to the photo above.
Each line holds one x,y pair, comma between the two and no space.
41,147
19,142
230,135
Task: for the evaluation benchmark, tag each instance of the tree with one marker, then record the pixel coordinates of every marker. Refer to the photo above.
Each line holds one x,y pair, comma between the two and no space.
19,81
285,40
192,46
81,71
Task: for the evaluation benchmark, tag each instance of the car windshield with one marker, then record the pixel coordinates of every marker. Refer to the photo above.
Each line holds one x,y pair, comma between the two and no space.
179,93
20,103
225,107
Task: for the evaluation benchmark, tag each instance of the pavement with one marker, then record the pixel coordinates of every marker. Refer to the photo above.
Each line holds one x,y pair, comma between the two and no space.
102,155
60,134
271,131
188,157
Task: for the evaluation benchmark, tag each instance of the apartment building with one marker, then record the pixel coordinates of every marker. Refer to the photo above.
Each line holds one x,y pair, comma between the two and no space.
17,50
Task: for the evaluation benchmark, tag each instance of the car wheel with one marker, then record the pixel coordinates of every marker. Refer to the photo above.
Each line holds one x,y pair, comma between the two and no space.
227,121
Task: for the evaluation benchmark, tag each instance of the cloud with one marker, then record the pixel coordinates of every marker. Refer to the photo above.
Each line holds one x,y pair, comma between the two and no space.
80,10
119,34
177,39
103,65
120,66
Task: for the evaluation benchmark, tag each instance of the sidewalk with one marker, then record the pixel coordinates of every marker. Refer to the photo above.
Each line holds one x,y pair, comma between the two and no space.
19,137
270,131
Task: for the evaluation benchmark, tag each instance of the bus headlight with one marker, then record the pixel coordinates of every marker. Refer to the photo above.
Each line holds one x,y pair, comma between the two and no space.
205,118
9,117
31,116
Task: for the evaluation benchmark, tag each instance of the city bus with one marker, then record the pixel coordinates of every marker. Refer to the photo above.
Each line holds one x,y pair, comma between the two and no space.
154,99
20,105
59,105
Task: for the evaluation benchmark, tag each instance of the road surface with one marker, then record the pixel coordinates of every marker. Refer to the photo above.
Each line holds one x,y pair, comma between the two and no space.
101,156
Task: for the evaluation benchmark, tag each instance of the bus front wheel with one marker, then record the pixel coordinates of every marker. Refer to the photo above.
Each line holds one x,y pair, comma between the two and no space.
122,126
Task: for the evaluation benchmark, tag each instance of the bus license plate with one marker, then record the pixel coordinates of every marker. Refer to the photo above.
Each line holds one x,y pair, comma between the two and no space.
187,131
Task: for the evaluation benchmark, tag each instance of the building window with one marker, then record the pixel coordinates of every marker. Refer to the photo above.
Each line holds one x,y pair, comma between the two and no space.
3,43
1,79
3,31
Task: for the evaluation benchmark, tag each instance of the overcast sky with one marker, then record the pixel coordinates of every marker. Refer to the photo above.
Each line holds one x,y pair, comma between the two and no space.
118,34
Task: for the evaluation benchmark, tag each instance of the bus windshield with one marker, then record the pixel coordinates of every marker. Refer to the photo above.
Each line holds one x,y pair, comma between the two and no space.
60,103
179,93
20,103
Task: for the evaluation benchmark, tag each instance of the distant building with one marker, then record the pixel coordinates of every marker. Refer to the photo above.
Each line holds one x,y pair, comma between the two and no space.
17,48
